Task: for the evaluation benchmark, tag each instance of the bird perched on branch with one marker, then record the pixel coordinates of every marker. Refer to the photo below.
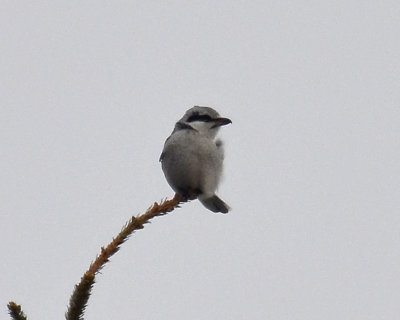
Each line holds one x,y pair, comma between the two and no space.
192,157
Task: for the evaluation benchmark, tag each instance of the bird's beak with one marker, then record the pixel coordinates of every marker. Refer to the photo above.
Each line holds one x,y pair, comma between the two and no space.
221,122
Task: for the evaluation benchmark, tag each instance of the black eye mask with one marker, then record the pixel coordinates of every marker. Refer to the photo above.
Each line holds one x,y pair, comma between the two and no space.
197,117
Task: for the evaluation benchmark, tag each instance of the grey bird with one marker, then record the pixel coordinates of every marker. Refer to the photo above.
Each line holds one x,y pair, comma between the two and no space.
192,157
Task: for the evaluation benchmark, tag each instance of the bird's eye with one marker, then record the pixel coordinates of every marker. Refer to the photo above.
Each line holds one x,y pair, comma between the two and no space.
197,117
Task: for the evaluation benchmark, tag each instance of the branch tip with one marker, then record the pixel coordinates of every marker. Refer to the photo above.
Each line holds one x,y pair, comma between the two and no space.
15,311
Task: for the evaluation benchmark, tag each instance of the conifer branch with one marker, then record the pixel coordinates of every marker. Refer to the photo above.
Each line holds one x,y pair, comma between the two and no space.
15,311
82,291
80,297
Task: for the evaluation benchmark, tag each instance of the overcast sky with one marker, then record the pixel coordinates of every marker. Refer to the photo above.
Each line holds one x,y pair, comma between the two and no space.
91,89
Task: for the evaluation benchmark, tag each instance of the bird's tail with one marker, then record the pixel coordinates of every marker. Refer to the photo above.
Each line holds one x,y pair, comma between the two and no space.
214,204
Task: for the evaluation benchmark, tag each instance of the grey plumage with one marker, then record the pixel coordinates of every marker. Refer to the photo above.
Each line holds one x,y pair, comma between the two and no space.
192,157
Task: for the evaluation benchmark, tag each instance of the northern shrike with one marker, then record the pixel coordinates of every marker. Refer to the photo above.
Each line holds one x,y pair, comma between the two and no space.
192,157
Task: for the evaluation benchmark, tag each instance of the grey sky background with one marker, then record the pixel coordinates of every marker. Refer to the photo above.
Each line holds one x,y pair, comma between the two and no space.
89,92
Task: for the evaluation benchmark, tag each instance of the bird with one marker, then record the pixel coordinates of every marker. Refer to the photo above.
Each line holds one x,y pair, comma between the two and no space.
192,157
